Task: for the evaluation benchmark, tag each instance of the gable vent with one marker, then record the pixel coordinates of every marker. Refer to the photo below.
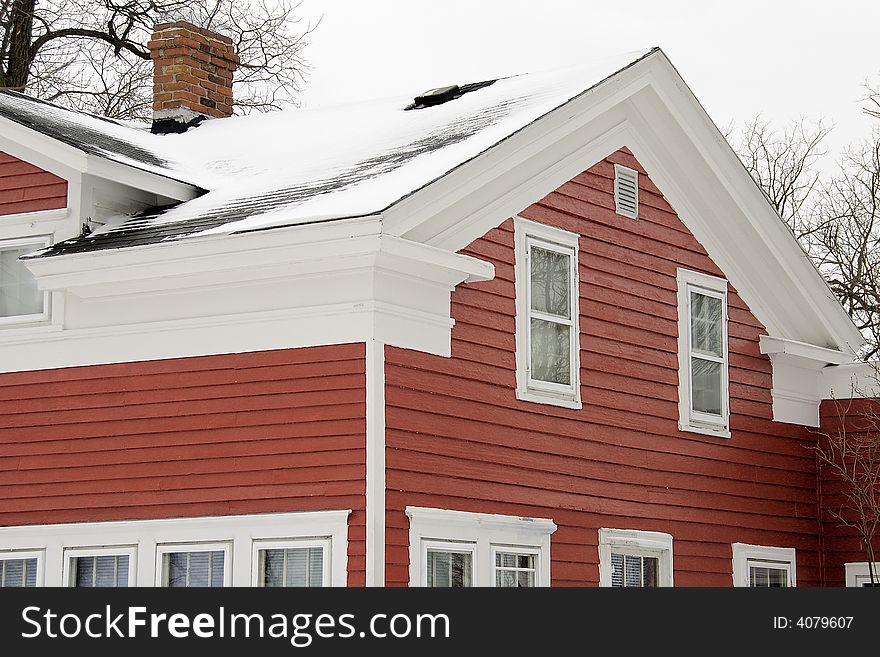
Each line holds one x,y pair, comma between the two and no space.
626,191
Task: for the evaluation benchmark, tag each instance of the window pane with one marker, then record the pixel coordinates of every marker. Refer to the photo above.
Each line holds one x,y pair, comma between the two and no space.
18,573
101,571
706,386
293,567
634,571
191,569
513,569
551,352
550,282
706,318
449,569
763,576
18,288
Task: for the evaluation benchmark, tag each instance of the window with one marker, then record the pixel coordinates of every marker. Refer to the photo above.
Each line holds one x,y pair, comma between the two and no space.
461,549
292,563
702,353
103,567
449,565
626,191
185,566
20,300
859,574
20,569
515,567
759,566
307,548
547,326
630,558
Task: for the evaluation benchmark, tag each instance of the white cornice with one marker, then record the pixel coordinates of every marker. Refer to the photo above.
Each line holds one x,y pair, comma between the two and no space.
853,380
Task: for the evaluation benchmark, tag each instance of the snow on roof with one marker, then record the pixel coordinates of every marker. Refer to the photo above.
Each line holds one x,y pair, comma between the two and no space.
303,166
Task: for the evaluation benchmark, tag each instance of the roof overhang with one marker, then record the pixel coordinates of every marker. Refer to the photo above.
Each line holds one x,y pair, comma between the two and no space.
64,160
648,108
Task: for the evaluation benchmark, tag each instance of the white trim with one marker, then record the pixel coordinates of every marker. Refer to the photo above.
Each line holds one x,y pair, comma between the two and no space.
292,544
745,555
636,543
858,574
33,319
526,234
649,108
375,456
16,554
688,418
619,171
857,380
114,551
483,531
239,532
167,549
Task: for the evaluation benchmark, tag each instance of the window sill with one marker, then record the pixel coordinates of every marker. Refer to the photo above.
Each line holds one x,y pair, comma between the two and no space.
706,430
549,399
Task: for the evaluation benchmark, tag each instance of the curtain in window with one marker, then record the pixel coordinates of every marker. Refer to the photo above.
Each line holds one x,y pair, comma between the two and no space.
18,573
102,571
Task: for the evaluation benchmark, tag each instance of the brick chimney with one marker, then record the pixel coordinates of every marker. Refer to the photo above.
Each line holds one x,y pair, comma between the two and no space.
192,76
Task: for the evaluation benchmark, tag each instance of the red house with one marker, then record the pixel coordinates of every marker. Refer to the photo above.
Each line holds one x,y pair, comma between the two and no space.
543,330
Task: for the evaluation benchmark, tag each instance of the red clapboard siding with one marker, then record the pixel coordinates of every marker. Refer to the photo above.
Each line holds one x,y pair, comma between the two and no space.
272,431
457,438
843,544
26,188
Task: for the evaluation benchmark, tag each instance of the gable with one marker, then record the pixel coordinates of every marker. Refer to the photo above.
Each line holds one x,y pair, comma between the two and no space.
28,188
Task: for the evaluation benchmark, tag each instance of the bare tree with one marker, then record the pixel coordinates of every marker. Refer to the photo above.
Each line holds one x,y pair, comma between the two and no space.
851,452
91,54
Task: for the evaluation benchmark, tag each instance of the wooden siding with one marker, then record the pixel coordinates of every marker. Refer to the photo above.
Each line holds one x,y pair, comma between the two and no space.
26,188
457,438
262,432
842,544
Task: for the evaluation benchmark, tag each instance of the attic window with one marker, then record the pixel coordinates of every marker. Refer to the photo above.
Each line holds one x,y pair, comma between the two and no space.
442,95
626,191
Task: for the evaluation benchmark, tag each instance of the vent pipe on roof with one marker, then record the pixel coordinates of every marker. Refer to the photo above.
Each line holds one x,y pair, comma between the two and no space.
192,76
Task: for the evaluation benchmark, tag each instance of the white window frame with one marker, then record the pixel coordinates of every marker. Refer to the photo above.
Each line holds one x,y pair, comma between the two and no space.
178,548
745,555
293,544
527,234
456,547
688,418
617,209
639,544
858,574
172,534
514,549
69,574
16,554
484,532
34,318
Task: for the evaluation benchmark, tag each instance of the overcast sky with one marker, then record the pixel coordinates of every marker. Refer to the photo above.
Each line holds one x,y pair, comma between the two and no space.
780,58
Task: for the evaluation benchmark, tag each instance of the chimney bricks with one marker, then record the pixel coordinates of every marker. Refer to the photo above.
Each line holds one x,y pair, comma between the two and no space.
192,75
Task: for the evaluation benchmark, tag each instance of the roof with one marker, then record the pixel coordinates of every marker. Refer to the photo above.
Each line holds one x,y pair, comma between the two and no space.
303,166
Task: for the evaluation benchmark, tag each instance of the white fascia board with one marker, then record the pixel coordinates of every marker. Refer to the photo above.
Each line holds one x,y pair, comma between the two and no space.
141,179
797,375
850,381
40,150
691,162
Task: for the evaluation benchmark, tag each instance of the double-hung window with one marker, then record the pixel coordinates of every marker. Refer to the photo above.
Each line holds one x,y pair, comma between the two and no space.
297,563
547,326
100,567
20,568
20,299
759,566
634,559
702,353
195,565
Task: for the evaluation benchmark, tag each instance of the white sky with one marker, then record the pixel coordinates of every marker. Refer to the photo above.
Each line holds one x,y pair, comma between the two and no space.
780,58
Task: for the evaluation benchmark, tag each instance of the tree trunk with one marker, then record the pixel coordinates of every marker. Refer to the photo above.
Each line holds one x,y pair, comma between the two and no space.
21,23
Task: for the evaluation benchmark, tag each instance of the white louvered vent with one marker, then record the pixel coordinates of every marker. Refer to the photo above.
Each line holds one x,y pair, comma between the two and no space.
626,191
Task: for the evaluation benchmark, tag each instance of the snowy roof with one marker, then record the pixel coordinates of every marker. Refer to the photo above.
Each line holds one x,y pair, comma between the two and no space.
305,166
